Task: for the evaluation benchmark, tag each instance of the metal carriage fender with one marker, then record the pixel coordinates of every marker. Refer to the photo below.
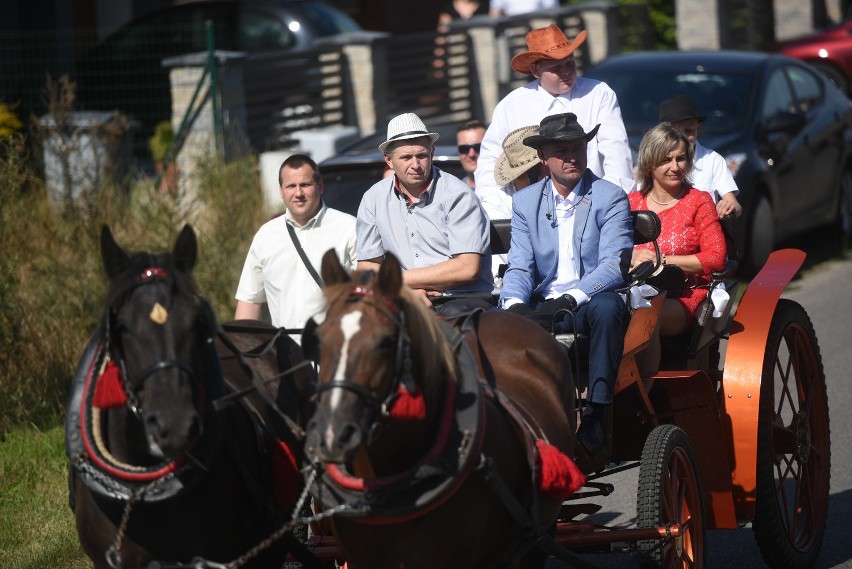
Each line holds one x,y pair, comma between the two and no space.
741,380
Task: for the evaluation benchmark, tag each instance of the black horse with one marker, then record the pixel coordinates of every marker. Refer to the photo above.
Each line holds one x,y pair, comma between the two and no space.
172,460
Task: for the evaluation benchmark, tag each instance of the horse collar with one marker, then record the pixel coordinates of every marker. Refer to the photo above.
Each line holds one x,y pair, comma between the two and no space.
430,483
104,474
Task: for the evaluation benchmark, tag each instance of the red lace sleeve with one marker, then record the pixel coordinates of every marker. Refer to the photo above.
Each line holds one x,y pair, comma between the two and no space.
711,241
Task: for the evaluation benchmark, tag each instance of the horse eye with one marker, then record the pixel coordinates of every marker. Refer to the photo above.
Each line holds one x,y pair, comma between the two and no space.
387,344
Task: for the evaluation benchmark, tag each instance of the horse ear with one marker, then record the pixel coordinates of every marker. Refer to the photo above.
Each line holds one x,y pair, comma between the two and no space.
185,251
114,258
390,276
332,271
310,341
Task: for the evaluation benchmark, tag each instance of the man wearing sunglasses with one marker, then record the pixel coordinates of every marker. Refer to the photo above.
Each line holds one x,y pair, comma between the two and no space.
469,140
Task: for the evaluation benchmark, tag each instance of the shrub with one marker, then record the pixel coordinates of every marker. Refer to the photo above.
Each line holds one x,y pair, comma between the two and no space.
51,281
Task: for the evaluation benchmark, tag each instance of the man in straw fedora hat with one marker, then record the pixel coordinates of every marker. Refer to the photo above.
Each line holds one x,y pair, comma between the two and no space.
570,232
556,89
429,219
518,165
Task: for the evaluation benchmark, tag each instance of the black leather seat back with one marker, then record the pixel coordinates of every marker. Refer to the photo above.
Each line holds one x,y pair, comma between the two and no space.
501,236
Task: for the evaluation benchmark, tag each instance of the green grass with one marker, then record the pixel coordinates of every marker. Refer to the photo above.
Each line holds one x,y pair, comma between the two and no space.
37,526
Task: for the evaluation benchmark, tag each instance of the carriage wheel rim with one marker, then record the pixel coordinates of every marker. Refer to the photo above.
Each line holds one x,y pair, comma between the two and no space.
797,455
681,504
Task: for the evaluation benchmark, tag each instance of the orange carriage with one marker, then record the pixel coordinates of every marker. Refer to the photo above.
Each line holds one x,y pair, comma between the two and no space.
719,441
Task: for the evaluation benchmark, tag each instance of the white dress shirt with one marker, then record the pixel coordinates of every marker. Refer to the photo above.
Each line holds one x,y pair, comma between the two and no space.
594,102
274,273
711,174
566,273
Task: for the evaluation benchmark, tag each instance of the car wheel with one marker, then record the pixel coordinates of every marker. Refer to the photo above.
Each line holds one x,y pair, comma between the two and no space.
760,238
833,75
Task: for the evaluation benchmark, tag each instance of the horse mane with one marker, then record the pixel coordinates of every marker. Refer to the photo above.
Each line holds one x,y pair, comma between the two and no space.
432,355
431,351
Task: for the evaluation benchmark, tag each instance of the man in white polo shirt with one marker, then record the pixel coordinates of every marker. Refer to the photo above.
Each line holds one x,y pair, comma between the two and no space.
275,271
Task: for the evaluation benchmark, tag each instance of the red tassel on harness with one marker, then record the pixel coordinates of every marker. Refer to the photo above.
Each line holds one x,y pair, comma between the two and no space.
109,392
285,475
409,405
559,476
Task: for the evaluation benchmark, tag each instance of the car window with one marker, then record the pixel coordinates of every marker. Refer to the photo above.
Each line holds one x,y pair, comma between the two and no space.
257,31
806,87
724,97
778,98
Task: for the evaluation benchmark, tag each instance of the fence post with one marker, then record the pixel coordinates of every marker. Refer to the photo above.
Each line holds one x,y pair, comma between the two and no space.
366,59
196,120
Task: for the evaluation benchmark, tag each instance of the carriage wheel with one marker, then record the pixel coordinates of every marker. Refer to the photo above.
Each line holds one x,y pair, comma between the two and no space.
670,492
793,452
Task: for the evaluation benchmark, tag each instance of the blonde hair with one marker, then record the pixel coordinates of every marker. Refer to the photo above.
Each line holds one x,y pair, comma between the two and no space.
653,150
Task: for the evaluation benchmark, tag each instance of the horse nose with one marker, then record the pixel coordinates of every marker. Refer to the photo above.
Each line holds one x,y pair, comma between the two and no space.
336,442
171,438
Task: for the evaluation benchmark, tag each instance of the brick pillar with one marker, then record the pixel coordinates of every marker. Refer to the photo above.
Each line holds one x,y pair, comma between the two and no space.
200,141
366,59
697,24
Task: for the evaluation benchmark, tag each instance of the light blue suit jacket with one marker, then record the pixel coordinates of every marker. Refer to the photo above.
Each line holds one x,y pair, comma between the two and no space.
603,233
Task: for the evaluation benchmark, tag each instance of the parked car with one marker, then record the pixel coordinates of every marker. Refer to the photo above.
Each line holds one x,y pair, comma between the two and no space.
829,50
124,71
784,130
348,174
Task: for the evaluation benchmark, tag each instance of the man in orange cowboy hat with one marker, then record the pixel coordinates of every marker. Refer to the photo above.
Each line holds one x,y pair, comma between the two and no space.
557,89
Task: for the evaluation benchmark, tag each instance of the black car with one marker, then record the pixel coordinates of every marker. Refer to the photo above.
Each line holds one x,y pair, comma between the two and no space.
124,72
782,127
350,173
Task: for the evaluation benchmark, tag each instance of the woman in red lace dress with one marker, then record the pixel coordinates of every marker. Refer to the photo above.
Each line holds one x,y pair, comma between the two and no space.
691,236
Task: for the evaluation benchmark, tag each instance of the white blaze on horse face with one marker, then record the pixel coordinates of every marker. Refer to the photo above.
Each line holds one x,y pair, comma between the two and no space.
350,324
159,315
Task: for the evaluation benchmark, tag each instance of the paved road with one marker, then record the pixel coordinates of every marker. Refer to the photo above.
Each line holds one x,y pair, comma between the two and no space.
825,293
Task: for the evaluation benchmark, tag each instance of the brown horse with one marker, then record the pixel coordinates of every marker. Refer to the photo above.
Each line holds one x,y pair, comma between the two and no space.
423,437
172,460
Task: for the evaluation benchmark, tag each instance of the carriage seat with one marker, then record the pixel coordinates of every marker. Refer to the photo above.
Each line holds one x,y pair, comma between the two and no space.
501,238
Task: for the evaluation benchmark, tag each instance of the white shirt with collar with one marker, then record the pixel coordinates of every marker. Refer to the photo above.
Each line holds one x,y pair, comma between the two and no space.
594,102
711,174
274,273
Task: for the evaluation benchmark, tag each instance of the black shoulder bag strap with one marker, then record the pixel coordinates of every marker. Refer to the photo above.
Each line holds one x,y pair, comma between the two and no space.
302,255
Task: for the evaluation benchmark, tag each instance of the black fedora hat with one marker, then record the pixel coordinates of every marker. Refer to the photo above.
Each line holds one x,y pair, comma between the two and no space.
679,108
559,128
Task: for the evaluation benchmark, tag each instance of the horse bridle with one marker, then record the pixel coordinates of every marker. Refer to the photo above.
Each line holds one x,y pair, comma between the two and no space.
402,360
113,347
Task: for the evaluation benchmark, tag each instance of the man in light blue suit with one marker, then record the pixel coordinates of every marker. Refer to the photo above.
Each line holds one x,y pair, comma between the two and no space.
572,238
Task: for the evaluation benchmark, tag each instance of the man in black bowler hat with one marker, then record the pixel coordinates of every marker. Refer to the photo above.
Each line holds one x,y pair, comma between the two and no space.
570,232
